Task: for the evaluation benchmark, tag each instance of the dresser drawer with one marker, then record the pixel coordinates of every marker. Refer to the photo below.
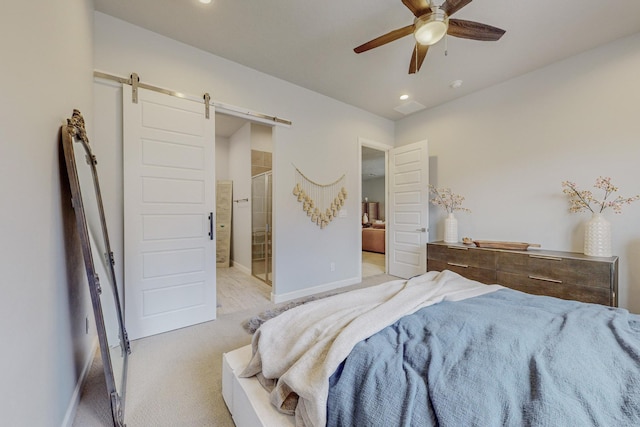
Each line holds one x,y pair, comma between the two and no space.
462,255
566,275
566,270
539,286
483,275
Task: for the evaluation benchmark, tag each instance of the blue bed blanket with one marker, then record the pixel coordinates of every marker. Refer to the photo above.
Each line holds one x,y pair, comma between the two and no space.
501,359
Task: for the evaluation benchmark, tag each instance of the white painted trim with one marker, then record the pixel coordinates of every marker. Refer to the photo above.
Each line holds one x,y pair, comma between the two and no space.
72,409
241,267
374,144
314,290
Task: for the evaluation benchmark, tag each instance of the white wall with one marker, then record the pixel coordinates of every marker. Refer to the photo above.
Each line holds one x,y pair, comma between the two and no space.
374,190
240,174
261,138
222,158
46,72
323,142
507,149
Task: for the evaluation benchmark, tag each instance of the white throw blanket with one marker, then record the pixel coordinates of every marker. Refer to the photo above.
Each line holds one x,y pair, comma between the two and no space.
302,347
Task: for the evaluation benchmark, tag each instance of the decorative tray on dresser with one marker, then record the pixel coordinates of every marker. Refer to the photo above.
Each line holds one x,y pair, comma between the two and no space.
566,275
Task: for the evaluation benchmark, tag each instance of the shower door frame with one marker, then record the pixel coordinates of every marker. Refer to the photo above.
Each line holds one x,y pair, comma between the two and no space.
267,249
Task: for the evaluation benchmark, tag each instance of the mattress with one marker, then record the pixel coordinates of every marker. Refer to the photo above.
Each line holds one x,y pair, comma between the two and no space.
246,399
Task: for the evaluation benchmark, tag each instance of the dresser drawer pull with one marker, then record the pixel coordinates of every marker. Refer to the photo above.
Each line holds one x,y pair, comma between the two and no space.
545,279
458,265
552,258
460,248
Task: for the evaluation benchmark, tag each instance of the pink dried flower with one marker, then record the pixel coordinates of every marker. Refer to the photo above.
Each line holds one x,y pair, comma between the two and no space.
446,199
582,200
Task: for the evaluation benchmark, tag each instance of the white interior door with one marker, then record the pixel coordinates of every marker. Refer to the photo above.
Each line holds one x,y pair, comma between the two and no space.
169,195
409,210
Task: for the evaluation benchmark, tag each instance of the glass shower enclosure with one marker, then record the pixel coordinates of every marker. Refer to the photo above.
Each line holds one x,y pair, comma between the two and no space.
261,218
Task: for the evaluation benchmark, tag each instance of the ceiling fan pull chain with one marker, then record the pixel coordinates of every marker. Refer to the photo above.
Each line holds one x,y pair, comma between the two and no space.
446,45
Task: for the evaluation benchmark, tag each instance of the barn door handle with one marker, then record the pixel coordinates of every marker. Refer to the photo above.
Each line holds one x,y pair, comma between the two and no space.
210,225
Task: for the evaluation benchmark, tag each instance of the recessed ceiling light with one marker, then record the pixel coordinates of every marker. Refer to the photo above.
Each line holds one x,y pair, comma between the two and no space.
205,1
456,84
403,97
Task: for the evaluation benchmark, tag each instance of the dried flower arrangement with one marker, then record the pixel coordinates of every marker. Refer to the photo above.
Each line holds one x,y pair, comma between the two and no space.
583,200
446,199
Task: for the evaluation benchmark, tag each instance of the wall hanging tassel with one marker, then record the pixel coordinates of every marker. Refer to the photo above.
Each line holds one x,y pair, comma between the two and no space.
321,202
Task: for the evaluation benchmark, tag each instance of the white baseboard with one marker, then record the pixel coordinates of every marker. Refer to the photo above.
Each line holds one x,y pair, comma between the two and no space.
314,290
241,267
72,409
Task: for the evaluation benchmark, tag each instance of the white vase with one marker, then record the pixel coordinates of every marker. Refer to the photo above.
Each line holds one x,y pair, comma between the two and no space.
597,236
451,229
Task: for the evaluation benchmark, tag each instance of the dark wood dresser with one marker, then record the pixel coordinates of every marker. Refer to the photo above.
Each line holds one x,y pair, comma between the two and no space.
565,275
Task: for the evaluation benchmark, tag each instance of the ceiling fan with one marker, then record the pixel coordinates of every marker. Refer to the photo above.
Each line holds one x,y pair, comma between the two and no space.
431,23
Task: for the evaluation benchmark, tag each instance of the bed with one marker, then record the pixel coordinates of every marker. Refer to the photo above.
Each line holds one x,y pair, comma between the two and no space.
439,349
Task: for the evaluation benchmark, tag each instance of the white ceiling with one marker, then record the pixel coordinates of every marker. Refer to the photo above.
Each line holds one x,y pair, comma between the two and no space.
310,43
227,125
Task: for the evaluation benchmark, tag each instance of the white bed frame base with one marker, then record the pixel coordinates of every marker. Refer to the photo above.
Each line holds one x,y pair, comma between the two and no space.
246,399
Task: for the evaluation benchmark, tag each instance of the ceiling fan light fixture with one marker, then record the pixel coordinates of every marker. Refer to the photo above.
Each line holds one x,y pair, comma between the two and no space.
431,27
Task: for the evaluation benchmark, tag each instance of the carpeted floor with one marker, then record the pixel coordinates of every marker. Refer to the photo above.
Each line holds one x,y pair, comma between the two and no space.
175,378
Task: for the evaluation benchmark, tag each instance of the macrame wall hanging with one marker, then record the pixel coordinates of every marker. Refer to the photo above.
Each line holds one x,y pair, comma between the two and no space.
321,202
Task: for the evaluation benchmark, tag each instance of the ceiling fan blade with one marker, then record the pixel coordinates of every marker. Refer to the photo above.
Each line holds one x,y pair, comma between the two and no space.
418,7
452,6
384,39
419,53
473,30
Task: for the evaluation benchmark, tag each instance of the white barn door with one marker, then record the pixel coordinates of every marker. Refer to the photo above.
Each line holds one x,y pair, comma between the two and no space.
409,210
169,196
